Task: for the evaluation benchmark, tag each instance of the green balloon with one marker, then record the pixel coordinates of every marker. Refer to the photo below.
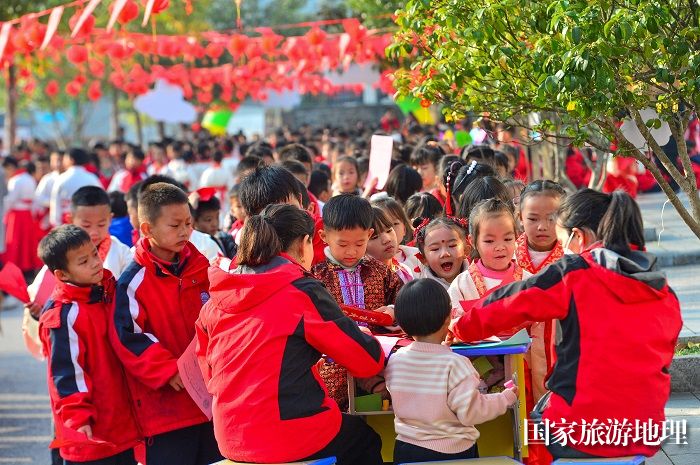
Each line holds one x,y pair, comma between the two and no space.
463,138
217,119
407,104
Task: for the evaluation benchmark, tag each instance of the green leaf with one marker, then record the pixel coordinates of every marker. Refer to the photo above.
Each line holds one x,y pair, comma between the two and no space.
576,35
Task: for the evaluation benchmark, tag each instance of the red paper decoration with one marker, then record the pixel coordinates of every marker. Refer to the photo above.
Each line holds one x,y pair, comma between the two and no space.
77,54
94,92
51,88
129,13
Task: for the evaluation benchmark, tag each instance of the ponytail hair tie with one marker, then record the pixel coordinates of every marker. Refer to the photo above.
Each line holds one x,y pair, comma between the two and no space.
420,228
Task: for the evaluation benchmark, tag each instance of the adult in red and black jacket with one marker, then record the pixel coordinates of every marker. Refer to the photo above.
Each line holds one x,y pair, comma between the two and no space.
619,325
260,337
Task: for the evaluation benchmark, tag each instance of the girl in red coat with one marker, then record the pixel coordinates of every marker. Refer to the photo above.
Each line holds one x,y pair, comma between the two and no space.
259,337
619,320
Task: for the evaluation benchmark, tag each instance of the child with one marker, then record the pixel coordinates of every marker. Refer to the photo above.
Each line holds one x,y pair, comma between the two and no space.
434,391
73,178
538,246
89,394
352,278
120,227
320,186
422,206
442,243
22,235
409,256
237,214
205,212
158,300
383,245
346,176
133,172
425,160
492,234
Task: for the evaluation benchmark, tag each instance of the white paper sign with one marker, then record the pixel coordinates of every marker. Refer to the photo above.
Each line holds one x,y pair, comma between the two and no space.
380,160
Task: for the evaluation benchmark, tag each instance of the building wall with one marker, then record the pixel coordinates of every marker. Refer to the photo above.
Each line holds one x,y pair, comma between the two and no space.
334,115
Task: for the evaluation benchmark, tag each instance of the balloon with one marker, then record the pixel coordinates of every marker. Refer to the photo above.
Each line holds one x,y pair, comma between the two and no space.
424,116
462,138
408,104
216,121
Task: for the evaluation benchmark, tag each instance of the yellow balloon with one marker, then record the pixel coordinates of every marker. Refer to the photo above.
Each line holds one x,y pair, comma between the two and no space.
424,116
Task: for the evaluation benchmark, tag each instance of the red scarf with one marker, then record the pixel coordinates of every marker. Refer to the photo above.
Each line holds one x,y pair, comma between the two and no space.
19,172
103,247
132,177
522,255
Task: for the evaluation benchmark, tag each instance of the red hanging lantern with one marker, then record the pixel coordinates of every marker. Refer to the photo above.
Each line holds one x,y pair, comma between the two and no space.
129,13
94,92
73,88
51,88
97,68
158,6
77,54
237,45
315,36
214,50
86,28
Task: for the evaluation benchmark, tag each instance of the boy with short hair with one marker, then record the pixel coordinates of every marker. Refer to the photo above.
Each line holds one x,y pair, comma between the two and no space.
86,383
91,211
158,300
352,277
133,172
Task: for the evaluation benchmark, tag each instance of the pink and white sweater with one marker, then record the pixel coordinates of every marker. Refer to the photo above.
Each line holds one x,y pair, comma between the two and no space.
436,398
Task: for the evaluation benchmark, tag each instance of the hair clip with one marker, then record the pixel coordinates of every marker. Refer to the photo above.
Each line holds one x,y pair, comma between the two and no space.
420,227
463,222
472,165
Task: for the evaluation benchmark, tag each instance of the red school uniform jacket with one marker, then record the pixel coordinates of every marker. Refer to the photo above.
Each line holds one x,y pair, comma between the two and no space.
620,322
86,382
153,324
259,338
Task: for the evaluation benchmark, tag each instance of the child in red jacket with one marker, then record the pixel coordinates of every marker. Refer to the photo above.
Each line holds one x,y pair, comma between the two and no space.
89,397
158,299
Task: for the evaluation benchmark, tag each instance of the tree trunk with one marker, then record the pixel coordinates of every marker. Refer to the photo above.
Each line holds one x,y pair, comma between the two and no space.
139,129
78,123
10,109
114,117
161,130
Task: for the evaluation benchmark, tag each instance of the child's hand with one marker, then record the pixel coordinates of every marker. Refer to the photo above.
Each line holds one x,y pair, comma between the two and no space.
365,330
388,309
514,390
87,429
176,382
34,309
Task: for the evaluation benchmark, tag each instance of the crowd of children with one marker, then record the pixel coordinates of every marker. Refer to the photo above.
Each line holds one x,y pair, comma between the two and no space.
260,253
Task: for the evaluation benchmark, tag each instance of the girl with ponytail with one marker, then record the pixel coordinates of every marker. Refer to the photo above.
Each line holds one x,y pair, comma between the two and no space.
619,323
259,337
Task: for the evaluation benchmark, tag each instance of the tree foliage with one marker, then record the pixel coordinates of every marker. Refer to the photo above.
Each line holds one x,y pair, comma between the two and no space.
581,64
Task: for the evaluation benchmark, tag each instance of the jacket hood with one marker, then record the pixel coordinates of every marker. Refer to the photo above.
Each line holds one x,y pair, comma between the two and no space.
633,277
244,287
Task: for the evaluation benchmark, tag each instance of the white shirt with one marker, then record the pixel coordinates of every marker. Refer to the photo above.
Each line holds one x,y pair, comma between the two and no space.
43,189
230,164
20,192
205,244
216,176
163,170
182,172
64,187
118,257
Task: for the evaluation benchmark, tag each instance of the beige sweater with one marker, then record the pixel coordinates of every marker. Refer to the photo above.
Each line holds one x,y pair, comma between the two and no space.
436,398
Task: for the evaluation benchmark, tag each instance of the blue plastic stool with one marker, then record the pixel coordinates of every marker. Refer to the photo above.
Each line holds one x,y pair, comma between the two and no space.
636,460
326,461
479,461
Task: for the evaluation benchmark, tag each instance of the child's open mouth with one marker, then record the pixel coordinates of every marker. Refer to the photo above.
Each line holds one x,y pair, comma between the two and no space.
447,267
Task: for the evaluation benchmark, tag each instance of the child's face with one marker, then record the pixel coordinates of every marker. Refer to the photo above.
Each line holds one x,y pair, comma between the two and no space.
399,228
444,252
131,162
132,209
428,173
237,209
347,246
495,241
84,266
326,194
538,214
169,233
208,222
346,177
383,246
95,220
